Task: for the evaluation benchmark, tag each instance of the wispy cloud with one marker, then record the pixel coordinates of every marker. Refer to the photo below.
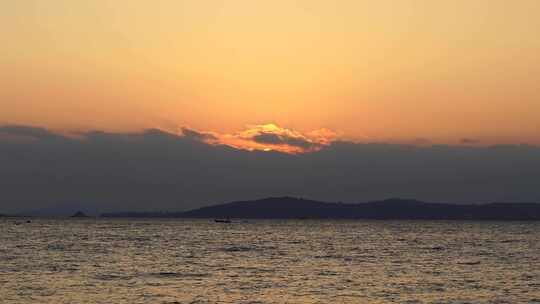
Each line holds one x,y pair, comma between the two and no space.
198,135
470,141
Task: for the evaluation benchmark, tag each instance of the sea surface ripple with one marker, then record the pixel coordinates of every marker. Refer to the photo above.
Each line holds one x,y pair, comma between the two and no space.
264,261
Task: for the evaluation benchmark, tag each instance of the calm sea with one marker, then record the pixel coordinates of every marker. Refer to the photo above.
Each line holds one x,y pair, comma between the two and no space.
199,261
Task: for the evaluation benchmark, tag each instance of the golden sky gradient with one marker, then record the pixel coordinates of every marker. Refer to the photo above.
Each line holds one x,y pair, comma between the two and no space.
380,70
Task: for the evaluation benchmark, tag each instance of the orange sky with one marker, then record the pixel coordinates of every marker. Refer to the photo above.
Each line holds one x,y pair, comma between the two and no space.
385,70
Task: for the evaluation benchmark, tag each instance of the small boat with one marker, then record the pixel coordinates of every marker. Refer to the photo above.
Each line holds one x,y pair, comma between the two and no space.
226,221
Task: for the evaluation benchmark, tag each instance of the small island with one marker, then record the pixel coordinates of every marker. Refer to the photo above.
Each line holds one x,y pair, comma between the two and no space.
79,214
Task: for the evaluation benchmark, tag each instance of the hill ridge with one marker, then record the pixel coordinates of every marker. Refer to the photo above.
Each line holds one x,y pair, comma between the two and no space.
287,207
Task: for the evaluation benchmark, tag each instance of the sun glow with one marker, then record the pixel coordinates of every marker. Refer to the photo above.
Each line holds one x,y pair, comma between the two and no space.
267,137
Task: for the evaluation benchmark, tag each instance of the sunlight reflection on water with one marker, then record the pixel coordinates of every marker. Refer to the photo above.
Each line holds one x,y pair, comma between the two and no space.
199,261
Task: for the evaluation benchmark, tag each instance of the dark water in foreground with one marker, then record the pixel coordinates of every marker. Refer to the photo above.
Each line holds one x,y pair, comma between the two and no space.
179,261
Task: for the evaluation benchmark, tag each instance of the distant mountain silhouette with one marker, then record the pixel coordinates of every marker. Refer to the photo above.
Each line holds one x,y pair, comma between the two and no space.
402,209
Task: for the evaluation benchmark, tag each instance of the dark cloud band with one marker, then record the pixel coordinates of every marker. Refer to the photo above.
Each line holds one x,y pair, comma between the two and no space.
157,170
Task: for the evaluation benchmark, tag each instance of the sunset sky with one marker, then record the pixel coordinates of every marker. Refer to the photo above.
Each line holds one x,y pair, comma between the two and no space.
414,71
169,105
